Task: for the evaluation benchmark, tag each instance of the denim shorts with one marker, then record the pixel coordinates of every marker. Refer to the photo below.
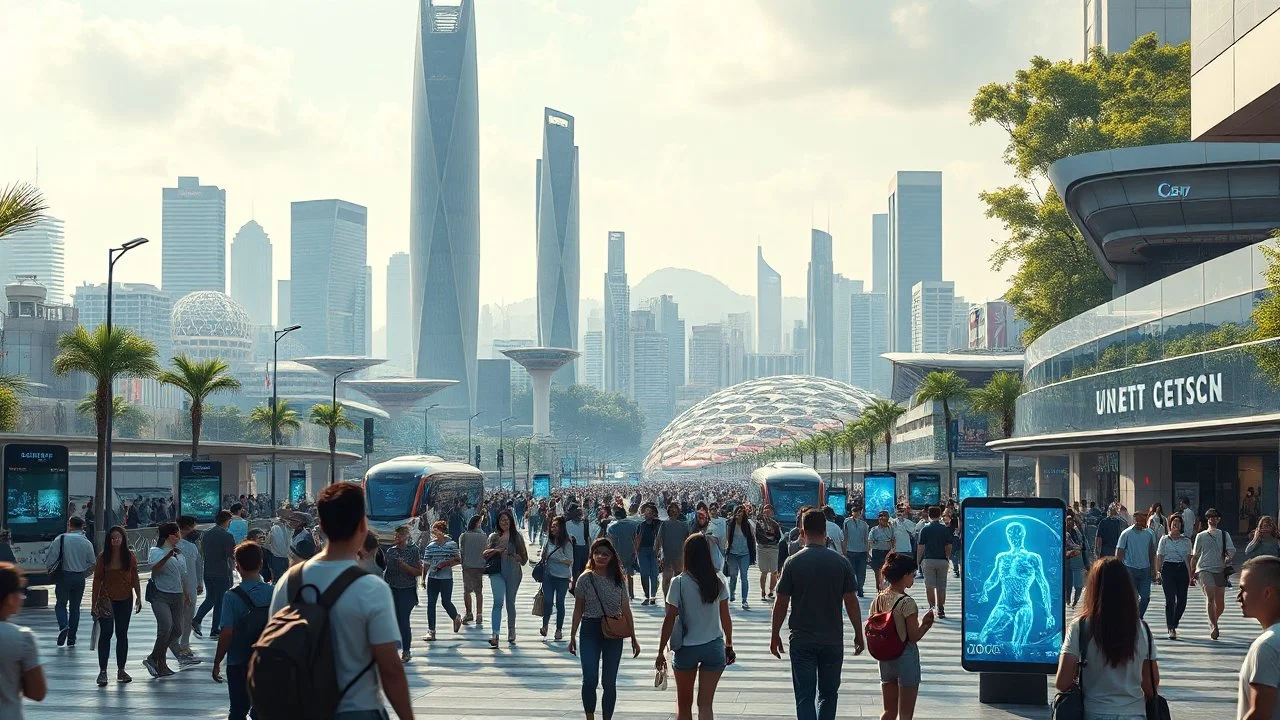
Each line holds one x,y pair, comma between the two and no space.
905,670
707,656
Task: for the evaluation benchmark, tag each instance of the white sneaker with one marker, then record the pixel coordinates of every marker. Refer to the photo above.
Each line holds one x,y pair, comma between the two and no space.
431,636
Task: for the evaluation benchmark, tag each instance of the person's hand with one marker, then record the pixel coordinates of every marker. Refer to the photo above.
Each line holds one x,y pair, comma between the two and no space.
927,621
1156,578
859,643
217,672
660,662
187,598
730,657
635,647
200,589
573,646
137,606
775,646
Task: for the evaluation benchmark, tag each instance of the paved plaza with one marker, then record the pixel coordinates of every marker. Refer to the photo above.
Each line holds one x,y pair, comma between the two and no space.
459,676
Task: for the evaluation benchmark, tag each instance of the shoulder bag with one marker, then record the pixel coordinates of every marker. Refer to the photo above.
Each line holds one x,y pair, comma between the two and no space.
493,563
613,627
1157,706
56,572
1069,704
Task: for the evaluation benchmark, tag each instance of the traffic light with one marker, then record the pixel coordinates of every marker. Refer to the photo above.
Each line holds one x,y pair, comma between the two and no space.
499,458
477,456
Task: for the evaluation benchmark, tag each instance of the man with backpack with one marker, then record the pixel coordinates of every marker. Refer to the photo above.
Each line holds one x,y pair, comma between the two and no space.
244,616
334,623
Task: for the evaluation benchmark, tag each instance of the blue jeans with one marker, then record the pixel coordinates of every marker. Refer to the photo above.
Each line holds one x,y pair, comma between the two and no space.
553,592
648,558
69,592
404,599
815,672
859,562
1142,581
214,589
441,588
738,565
279,565
594,648
238,688
502,591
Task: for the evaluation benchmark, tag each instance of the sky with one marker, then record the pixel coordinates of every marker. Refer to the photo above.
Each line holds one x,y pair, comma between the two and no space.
705,128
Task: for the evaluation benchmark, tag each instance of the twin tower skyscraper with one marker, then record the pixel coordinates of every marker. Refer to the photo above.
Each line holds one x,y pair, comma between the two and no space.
444,209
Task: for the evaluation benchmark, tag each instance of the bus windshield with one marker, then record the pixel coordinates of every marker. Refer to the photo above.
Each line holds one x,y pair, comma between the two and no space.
788,496
390,495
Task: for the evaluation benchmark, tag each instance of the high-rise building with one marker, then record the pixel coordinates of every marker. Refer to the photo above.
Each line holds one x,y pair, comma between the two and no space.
650,372
994,326
366,327
1115,24
557,234
617,317
144,309
758,365
879,253
29,343
707,356
520,380
399,335
667,320
743,323
251,272
915,245
821,328
959,336
328,250
493,388
842,289
193,253
444,199
800,347
933,308
39,250
868,341
283,296
768,305
593,358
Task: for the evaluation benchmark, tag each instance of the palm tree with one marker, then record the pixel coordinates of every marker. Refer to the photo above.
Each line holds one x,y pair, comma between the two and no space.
126,420
104,356
332,417
883,416
284,419
829,441
199,379
21,206
863,430
999,398
944,387
11,386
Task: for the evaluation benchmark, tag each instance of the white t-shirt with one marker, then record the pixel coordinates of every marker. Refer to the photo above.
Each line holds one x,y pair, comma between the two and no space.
18,654
1261,666
363,617
1209,550
903,530
169,578
1111,690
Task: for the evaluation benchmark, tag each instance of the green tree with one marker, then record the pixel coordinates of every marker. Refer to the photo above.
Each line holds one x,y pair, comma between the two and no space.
284,419
11,386
999,399
127,420
104,356
21,206
882,416
944,387
1052,110
1266,317
199,379
333,418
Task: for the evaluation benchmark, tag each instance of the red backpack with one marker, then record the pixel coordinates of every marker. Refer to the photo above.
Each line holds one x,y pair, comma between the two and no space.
882,635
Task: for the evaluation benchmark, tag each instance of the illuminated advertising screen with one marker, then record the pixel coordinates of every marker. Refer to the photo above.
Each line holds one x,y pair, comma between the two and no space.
879,492
1012,606
634,478
838,499
972,483
297,486
924,489
35,491
541,485
200,489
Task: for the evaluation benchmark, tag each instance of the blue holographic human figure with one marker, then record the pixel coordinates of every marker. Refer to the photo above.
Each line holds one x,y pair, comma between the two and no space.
1015,570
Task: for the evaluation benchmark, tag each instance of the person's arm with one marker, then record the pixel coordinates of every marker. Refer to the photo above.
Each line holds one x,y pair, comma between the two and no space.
780,606
1097,551
726,624
947,549
664,635
916,628
1122,544
919,554
626,612
224,644
1261,701
854,612
33,682
1151,554
394,683
578,607
164,560
1066,677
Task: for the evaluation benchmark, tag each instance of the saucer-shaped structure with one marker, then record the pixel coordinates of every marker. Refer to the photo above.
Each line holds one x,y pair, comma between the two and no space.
333,364
542,358
398,395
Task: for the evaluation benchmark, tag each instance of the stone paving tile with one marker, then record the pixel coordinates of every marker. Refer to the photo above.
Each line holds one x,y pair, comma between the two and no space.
460,677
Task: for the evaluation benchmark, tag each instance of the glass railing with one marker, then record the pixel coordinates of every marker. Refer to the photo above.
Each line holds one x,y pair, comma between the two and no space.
1200,309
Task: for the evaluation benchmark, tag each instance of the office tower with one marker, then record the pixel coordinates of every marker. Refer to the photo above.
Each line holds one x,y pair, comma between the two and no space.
617,317
144,309
557,234
328,241
959,337
251,272
707,356
283,296
39,250
768,305
879,253
743,323
1115,24
593,358
666,319
29,343
994,326
193,253
520,380
758,365
842,289
800,347
650,372
915,245
366,328
821,329
735,355
493,389
444,199
868,341
933,307
399,336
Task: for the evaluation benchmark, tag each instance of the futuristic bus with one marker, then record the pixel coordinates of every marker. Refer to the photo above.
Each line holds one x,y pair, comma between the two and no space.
417,490
787,486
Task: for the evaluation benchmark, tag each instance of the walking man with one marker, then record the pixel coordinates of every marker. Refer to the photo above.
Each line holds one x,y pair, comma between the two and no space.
1136,548
1109,529
933,553
219,547
855,546
193,572
70,557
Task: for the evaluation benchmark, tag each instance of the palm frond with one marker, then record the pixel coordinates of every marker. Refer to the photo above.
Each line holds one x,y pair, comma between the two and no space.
22,205
16,384
106,356
199,378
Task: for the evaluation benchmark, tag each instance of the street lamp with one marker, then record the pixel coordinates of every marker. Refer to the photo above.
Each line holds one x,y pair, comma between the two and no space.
333,456
466,455
100,532
428,409
275,419
513,470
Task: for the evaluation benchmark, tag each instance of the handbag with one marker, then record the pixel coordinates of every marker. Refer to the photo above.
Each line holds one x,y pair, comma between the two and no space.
101,607
540,570
150,593
613,627
1069,704
539,604
493,563
660,678
1157,706
56,572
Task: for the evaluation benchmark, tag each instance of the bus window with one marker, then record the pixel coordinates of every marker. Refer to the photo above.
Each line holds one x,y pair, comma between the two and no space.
391,496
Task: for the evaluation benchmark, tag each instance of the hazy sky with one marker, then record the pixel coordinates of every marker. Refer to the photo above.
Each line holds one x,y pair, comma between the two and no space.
703,125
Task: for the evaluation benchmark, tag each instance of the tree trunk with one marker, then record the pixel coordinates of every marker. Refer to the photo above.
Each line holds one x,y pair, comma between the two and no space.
888,443
951,472
103,402
333,454
197,419
1006,423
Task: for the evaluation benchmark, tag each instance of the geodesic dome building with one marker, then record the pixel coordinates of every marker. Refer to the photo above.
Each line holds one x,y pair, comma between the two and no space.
208,324
751,416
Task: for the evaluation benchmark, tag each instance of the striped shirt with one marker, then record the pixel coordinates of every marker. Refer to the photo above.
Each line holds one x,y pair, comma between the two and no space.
436,553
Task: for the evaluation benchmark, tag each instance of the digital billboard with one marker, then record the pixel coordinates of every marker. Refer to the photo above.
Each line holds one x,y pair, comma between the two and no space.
972,483
35,491
200,489
838,499
297,486
542,485
879,492
924,489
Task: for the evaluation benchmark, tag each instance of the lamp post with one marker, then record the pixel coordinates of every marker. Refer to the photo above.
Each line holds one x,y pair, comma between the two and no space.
466,455
100,531
513,471
831,461
333,457
275,419
428,409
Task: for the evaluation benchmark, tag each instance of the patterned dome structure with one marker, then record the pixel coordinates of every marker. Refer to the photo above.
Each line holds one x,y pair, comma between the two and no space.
209,324
751,416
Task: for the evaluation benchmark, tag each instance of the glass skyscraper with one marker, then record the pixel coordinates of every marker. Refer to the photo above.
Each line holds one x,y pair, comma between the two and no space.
399,337
251,272
193,253
39,250
557,234
768,306
444,199
617,318
327,274
914,245
821,329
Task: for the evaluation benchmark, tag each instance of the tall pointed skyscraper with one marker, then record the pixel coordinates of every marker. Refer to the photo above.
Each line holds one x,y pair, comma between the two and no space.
768,306
251,281
444,199
617,318
821,330
557,232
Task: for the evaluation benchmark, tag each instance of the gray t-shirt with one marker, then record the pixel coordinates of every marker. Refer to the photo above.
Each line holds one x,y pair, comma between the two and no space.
817,579
1110,690
1138,544
559,560
18,654
1261,666
623,535
701,621
473,543
671,537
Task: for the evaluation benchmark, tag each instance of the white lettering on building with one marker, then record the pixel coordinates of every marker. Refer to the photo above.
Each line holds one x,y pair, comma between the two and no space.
1168,393
1168,190
557,120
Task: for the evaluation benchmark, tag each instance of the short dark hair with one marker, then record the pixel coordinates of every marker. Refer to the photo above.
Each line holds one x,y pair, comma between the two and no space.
236,507
619,513
221,517
164,531
248,556
341,510
11,580
935,512
1267,567
186,522
76,522
814,522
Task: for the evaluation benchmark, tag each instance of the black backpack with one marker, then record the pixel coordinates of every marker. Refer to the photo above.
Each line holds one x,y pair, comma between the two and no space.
252,622
292,673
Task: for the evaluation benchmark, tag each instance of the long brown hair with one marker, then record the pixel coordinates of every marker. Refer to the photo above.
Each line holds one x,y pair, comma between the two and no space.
614,570
1110,608
126,555
1257,532
698,565
513,532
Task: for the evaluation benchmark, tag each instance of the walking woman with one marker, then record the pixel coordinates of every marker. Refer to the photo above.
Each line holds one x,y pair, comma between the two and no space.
1120,670
600,591
880,542
698,601
438,559
404,567
1173,572
647,555
557,553
768,533
507,543
1158,521
115,582
1074,547
1211,552
900,678
1265,540
741,541
167,597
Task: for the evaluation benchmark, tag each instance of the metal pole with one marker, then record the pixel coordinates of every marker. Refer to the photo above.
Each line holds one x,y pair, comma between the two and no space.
333,455
275,422
108,505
